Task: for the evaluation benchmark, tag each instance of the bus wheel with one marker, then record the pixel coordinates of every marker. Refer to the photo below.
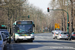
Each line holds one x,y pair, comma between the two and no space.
16,41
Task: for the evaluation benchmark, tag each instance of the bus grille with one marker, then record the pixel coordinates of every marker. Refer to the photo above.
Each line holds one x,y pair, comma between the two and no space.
24,34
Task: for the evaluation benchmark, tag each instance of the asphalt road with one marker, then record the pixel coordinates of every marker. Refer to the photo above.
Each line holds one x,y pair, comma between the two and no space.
43,41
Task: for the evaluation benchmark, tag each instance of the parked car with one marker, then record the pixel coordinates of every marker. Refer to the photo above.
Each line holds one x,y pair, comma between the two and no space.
72,36
63,35
55,33
2,41
5,31
7,35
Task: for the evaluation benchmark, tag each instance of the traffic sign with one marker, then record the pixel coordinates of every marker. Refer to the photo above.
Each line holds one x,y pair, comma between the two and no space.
57,26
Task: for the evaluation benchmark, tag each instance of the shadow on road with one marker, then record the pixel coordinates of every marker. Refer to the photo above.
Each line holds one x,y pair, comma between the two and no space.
23,46
43,41
26,41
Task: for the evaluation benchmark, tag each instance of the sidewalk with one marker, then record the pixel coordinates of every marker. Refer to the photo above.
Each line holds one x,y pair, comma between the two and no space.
73,40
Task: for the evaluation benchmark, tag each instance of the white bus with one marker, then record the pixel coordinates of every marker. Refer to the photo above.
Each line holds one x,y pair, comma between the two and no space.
23,30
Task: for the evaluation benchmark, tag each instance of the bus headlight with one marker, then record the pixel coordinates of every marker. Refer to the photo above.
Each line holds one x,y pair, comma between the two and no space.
16,35
32,34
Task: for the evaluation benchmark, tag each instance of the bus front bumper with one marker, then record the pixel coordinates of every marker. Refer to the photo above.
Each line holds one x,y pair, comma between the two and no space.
24,38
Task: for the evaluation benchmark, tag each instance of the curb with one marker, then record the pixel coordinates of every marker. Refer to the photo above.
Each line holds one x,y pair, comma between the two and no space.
73,40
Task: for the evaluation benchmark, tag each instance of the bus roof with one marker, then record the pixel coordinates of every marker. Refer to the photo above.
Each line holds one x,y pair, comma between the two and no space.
25,20
21,20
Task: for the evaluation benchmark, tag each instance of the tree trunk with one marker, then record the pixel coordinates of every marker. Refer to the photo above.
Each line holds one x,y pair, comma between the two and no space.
71,24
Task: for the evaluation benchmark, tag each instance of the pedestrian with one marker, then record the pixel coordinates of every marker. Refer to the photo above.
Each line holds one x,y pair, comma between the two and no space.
9,39
10,36
70,37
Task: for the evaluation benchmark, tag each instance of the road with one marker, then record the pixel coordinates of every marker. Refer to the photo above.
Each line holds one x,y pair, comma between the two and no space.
43,41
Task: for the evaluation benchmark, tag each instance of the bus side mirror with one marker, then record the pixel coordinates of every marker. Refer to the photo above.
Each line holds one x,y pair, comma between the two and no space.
34,25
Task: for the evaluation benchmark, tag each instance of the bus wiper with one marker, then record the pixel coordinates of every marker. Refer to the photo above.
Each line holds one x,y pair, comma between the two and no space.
30,31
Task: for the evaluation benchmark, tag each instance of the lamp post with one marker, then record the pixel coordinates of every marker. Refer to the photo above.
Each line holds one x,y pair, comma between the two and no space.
67,16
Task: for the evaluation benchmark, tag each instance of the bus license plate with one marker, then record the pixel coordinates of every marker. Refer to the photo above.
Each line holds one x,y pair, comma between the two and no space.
25,35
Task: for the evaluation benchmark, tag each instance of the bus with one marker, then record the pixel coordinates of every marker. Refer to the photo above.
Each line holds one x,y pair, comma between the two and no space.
23,30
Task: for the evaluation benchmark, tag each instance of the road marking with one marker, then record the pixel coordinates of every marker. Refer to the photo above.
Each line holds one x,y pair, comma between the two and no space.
61,47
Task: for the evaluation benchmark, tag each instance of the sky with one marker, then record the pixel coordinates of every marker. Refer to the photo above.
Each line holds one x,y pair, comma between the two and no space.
42,4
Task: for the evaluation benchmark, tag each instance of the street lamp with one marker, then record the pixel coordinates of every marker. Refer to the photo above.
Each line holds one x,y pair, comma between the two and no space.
67,17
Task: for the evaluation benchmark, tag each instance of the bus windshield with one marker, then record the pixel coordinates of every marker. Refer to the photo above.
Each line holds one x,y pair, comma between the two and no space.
25,28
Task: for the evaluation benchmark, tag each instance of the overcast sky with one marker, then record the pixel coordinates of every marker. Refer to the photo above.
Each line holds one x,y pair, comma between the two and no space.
42,4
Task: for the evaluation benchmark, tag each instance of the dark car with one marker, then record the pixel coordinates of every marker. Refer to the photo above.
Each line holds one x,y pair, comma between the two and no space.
72,36
5,31
8,37
7,34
